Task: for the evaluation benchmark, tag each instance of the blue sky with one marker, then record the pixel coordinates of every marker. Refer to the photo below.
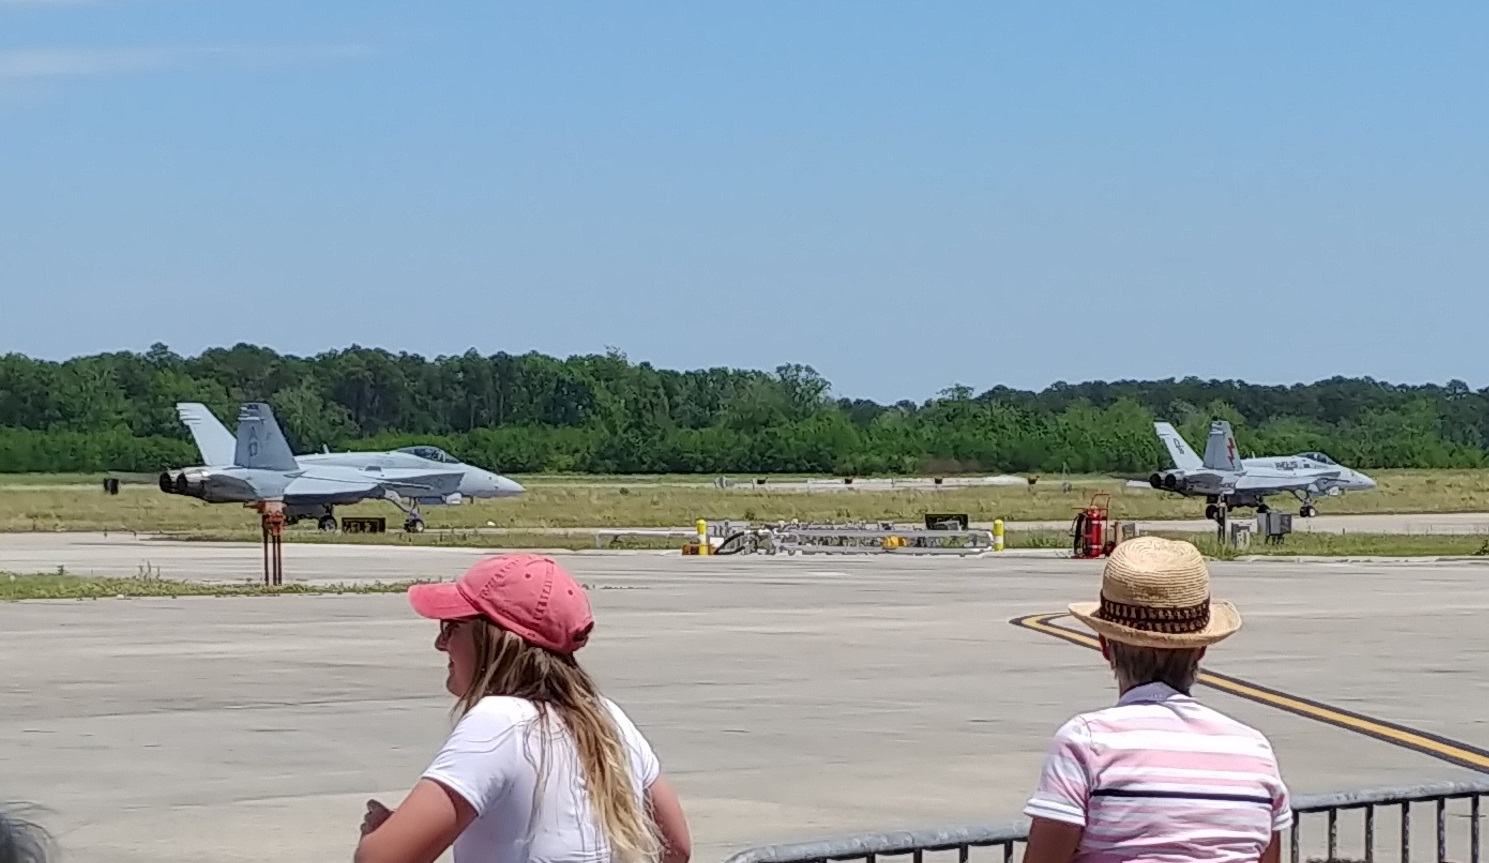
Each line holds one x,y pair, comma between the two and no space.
904,196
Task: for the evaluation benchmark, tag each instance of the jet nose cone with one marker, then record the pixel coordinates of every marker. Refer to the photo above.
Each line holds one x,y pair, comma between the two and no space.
508,486
1364,481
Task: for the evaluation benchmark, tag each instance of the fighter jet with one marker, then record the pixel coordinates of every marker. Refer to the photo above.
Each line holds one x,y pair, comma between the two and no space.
405,473
264,470
1223,477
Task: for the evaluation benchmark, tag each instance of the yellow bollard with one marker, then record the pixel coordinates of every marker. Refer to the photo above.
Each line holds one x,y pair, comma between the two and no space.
703,537
997,534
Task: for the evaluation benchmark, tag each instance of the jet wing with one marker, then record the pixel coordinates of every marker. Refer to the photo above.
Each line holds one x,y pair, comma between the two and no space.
1262,483
415,481
320,490
329,485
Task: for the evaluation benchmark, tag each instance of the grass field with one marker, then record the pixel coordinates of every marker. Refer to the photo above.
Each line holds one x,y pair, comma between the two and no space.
57,586
1347,545
50,503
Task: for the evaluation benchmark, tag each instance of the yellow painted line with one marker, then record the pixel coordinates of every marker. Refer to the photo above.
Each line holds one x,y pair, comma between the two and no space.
1453,751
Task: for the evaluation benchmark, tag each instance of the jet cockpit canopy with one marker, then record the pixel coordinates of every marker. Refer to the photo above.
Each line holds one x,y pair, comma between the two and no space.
433,453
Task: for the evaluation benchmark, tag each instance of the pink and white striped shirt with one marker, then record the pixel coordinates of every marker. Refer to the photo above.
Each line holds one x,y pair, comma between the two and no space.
1160,776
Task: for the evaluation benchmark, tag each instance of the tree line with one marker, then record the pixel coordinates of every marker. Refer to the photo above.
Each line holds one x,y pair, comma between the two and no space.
602,413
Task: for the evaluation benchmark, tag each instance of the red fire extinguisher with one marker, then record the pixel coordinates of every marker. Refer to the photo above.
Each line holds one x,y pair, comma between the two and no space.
1091,526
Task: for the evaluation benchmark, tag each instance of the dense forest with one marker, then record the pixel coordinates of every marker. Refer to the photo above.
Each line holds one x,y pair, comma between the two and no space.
605,414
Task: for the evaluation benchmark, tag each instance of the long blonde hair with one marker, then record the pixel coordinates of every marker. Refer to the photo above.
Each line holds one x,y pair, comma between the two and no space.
508,665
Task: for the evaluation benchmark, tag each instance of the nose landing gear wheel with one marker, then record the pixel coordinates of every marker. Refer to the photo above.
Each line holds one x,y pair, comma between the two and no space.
327,523
414,525
1307,511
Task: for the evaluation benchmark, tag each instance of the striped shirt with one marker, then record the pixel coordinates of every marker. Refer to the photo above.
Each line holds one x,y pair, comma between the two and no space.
1160,776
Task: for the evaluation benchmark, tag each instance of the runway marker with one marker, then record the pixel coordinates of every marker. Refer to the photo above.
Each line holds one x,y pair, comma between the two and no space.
1426,743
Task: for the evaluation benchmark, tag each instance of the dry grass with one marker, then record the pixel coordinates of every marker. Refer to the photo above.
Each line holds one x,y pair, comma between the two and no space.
55,505
1297,544
485,539
1349,545
15,587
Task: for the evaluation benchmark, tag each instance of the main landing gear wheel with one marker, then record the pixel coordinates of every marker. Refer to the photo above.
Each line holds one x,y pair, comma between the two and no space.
1212,511
414,525
1307,511
327,523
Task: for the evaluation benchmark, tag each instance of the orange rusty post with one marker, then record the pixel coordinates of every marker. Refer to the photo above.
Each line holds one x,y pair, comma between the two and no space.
271,520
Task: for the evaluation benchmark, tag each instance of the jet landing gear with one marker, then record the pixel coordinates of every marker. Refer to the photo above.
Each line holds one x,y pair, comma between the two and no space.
1307,510
1213,511
415,522
325,522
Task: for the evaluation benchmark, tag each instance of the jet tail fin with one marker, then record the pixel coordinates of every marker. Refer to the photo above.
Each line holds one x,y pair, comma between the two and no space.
1220,449
1178,449
261,442
214,442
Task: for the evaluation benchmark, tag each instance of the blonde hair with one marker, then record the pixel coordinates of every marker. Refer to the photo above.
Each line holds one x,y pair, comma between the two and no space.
1134,666
554,682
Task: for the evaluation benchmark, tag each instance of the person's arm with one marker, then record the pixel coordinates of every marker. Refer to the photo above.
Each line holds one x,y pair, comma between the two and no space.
1282,812
1052,841
1057,809
1273,854
472,769
666,810
420,829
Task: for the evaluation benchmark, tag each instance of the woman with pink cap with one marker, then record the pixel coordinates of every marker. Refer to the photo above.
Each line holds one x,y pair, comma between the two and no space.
540,765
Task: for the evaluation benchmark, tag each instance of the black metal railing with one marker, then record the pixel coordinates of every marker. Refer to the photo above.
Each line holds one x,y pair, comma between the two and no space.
1451,803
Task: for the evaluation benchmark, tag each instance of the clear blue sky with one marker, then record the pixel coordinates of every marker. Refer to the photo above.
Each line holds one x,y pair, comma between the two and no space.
904,195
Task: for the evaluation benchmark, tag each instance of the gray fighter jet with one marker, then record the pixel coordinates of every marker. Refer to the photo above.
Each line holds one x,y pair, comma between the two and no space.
1222,476
234,468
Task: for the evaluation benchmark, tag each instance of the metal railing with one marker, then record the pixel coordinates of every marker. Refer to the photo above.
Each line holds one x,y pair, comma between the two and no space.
1306,841
887,539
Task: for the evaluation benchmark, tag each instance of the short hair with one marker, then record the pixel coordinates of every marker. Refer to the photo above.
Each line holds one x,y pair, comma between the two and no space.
1135,666
22,840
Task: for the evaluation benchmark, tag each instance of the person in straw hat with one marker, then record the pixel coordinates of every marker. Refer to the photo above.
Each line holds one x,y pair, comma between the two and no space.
1158,775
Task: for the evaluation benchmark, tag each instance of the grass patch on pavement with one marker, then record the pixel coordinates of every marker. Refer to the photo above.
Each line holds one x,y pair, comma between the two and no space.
1296,544
14,586
455,538
1345,545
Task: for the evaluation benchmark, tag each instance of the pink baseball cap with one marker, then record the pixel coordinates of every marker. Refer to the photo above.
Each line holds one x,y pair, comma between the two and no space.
528,594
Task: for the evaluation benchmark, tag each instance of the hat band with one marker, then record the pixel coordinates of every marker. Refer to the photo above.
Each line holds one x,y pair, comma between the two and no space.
1184,618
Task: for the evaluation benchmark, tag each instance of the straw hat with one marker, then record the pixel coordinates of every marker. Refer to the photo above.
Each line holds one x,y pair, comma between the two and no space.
1155,592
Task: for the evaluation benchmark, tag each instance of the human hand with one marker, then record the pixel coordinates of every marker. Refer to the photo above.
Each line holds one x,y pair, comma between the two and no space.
377,813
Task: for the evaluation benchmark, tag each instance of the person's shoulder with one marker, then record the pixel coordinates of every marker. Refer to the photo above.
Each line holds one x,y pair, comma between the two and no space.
1083,721
635,740
496,712
621,718
1224,723
1077,728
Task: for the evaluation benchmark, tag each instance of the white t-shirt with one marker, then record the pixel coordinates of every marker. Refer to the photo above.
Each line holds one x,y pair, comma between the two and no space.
491,758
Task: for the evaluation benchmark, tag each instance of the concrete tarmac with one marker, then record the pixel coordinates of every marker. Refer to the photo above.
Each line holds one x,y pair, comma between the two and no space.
788,698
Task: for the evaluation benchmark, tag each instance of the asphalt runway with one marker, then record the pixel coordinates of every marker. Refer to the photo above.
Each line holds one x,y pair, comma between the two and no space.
789,698
1453,523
